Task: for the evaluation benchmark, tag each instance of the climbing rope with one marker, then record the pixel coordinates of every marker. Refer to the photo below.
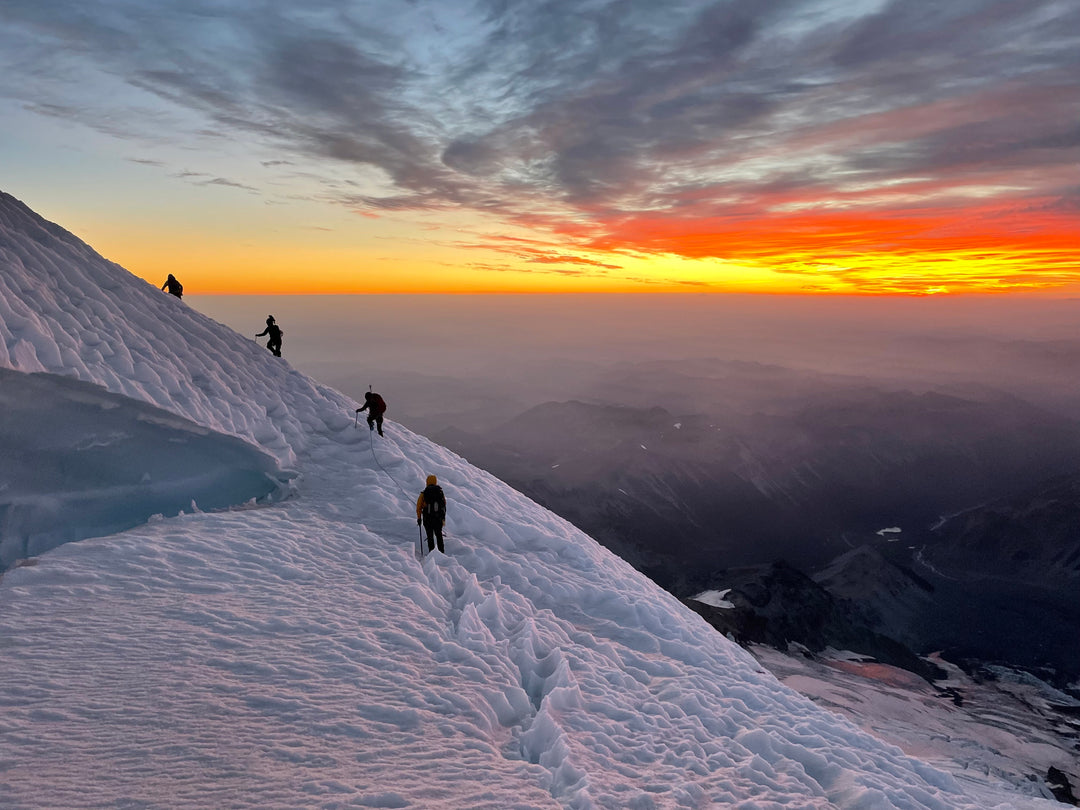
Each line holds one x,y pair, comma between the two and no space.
374,455
371,442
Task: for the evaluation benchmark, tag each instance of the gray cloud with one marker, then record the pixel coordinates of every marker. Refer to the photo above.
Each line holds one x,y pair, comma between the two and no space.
559,109
223,181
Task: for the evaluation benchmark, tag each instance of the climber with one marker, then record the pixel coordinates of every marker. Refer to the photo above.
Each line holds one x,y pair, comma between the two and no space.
173,286
431,512
375,405
273,343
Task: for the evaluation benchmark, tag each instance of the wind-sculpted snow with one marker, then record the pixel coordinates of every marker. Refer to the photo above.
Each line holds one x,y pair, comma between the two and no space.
299,655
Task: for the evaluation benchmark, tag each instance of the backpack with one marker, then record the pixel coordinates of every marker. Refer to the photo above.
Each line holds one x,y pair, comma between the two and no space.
378,405
434,504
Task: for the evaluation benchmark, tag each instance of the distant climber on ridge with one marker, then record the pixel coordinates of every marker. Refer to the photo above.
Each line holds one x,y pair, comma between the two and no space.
431,512
275,333
375,405
173,286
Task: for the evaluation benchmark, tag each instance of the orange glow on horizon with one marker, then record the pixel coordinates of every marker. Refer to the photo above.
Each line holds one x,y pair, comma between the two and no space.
986,248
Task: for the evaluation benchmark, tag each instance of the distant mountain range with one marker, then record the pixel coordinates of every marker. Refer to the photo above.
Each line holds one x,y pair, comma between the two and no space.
680,496
1031,537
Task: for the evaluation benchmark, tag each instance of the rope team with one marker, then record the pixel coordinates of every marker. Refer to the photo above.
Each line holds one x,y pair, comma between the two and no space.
431,504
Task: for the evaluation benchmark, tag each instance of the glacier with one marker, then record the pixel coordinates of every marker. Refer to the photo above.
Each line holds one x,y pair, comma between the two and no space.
294,652
81,462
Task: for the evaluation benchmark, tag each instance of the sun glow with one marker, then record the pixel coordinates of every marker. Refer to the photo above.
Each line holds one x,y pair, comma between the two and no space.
910,238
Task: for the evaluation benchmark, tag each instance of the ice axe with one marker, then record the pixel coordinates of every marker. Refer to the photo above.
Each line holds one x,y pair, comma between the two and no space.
356,418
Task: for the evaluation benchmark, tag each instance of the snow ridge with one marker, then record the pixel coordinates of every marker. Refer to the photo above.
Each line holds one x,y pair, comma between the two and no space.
299,655
66,310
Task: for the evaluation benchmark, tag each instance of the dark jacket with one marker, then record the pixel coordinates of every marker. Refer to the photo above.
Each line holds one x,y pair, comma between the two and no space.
273,330
373,402
173,286
431,505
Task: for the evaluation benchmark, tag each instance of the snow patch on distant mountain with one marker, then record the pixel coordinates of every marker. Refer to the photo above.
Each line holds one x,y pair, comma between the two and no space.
715,598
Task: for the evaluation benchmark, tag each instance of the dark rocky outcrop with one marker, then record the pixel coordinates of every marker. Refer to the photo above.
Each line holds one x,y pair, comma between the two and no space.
778,605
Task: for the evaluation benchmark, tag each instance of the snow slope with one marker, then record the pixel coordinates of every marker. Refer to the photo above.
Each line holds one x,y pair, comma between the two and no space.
299,655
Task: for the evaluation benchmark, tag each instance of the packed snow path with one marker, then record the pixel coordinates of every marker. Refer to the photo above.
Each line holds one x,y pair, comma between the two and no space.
299,655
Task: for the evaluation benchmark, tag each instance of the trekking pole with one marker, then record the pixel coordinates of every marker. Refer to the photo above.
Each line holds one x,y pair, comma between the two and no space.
356,420
421,541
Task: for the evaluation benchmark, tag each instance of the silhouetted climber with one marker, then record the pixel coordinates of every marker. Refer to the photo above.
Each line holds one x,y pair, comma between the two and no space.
173,286
273,343
431,512
376,407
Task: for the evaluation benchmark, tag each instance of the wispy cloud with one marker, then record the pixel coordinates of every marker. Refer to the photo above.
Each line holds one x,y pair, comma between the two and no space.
223,181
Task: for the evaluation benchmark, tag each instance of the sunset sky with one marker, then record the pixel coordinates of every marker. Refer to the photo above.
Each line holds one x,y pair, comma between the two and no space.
854,146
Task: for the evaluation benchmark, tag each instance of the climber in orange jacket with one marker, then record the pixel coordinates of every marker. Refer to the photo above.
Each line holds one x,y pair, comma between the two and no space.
431,512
